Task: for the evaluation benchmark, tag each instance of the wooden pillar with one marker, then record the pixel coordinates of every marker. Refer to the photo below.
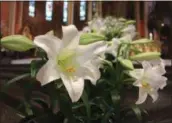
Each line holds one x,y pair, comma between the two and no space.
71,12
146,18
137,15
90,11
12,15
99,8
21,14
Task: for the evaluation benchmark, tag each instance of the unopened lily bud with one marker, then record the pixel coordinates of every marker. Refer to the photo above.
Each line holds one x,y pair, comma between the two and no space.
146,56
88,38
144,49
17,43
126,63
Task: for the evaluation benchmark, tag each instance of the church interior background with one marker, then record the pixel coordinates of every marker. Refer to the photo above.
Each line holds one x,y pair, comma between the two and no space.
32,18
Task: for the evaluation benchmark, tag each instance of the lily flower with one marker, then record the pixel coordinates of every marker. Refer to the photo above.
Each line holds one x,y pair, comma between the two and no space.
115,43
97,25
149,80
131,30
69,61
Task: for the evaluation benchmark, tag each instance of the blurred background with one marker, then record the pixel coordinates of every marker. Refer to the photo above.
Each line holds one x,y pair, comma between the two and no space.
32,18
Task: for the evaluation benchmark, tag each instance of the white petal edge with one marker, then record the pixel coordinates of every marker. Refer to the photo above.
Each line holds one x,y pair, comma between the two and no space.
142,96
90,51
74,86
74,42
137,73
47,73
146,65
92,72
154,95
49,43
69,33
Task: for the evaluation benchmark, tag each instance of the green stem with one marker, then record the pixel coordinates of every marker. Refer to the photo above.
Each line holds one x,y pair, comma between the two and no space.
87,105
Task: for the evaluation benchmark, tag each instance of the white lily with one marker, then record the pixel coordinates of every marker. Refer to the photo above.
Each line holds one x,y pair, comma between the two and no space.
129,30
69,61
115,43
149,80
86,29
97,25
113,46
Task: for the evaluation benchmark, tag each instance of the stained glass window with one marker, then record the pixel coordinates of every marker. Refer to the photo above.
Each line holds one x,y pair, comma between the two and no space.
32,8
49,10
82,10
65,11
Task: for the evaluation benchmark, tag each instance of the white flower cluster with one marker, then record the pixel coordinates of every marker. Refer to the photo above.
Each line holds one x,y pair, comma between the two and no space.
111,27
74,63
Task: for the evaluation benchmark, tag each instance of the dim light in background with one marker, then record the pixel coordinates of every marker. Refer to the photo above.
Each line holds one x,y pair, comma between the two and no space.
82,10
32,8
65,11
49,10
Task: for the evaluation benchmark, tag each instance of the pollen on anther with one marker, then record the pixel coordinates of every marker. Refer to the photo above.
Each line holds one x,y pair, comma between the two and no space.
71,70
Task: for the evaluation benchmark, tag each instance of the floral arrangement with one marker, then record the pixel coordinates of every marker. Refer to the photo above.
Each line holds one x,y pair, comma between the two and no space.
88,74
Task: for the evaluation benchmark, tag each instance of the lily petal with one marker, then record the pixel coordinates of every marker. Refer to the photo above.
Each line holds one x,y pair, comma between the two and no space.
47,73
137,73
137,83
74,42
49,43
92,72
159,70
113,48
129,29
162,82
86,29
142,96
126,38
91,51
154,95
146,65
69,33
74,86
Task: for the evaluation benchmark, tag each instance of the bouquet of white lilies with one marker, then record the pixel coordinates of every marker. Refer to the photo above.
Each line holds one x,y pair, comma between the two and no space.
104,54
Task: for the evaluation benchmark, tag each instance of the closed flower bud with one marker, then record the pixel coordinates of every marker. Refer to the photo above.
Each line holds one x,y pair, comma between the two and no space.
144,49
88,38
17,43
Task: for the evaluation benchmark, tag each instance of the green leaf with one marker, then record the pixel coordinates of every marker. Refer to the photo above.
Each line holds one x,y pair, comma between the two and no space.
66,108
28,109
126,63
107,116
137,112
15,80
86,103
35,66
40,53
42,102
115,97
88,38
17,43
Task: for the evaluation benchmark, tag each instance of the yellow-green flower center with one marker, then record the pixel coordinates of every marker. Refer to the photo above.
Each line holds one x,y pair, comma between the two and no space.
145,84
66,61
